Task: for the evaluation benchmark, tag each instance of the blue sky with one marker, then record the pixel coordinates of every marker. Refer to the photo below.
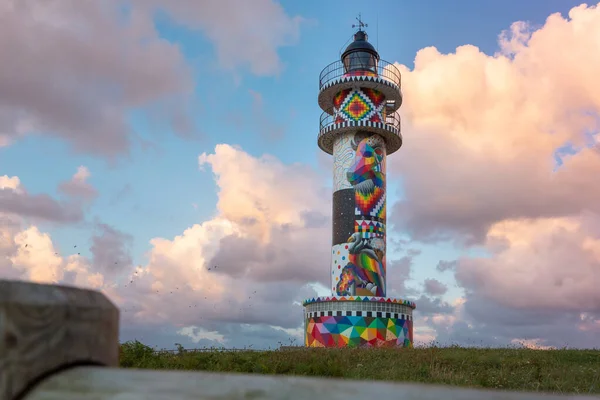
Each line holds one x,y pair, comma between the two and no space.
404,28
159,191
147,211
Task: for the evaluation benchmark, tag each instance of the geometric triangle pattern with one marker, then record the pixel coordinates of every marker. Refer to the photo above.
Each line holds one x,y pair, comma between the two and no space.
369,229
362,299
355,331
362,104
388,81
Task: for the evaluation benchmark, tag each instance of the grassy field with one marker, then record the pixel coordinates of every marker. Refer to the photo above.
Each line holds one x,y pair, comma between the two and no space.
557,371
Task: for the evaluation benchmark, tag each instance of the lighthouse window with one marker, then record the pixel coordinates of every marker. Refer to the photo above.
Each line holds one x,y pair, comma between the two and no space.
360,61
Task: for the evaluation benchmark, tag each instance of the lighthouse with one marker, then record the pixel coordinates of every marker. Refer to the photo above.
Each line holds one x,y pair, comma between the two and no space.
360,95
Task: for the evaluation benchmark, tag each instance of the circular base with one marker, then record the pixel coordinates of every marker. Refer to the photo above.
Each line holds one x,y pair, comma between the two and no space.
358,322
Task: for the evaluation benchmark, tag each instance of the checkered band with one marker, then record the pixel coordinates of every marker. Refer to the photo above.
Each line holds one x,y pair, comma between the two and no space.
359,299
356,308
361,124
374,314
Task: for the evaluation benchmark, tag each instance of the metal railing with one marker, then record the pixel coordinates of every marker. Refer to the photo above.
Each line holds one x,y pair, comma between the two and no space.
330,116
336,69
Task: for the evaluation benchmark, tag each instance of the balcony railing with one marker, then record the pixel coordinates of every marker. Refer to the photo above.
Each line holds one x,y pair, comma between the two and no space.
383,70
329,117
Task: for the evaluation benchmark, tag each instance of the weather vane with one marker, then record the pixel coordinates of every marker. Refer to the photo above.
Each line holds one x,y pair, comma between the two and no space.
361,24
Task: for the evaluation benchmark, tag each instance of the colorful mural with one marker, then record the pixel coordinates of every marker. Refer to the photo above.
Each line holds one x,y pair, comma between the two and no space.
367,176
361,73
358,331
339,259
370,229
364,274
361,104
358,264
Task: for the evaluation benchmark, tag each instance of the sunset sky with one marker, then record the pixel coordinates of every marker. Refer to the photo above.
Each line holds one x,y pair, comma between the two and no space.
165,153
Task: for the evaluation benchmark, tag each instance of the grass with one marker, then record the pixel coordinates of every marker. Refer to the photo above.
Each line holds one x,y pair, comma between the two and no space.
556,371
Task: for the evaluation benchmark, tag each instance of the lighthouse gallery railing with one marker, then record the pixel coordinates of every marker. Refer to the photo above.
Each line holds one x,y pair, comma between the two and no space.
336,69
329,118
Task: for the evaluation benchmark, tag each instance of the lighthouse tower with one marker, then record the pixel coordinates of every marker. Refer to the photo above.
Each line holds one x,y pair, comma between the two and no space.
360,95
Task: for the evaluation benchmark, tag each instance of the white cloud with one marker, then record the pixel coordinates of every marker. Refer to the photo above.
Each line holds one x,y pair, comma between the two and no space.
71,70
481,132
197,334
245,34
78,185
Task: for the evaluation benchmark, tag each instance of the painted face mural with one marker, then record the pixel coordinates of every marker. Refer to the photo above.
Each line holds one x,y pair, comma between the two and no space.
364,273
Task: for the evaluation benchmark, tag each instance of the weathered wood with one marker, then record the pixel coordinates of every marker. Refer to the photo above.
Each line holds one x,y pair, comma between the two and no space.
44,328
130,384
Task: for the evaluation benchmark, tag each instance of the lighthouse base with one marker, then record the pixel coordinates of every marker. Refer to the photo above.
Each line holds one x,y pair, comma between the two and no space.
358,322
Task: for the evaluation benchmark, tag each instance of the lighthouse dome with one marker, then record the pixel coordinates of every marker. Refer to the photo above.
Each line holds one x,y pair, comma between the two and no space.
360,55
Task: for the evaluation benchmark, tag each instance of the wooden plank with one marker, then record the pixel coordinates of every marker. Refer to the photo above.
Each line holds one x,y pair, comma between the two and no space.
44,328
133,384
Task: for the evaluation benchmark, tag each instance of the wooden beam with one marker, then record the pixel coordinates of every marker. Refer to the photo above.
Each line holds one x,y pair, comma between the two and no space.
46,328
135,384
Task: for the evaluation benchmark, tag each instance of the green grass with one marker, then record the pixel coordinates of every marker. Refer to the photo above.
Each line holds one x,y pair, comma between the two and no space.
557,371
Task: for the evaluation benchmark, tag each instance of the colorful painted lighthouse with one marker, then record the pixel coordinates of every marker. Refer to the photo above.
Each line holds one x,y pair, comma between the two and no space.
360,95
